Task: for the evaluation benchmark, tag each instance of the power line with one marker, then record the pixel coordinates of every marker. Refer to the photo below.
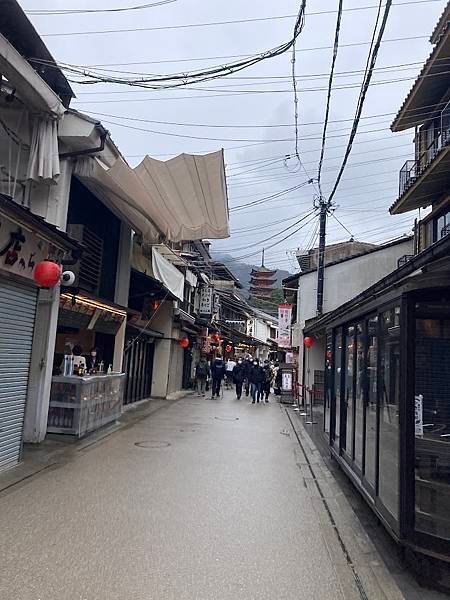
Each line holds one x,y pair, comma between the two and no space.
364,88
226,57
328,102
79,11
221,23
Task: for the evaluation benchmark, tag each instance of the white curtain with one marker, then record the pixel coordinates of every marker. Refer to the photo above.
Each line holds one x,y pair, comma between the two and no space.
43,163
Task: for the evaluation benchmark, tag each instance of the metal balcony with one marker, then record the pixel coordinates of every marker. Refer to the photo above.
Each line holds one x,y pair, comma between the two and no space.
413,169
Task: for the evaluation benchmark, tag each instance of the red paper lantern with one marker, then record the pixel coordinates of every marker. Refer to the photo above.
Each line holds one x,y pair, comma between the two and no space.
228,348
329,354
184,343
309,342
47,274
215,338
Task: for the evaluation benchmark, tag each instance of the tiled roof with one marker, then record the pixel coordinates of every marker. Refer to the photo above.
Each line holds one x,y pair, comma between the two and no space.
425,67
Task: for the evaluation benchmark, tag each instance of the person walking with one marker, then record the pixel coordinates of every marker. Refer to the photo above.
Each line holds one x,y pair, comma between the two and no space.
248,365
256,377
229,367
267,383
202,372
217,374
239,373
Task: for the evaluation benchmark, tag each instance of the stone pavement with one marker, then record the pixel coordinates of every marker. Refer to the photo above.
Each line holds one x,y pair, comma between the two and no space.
202,499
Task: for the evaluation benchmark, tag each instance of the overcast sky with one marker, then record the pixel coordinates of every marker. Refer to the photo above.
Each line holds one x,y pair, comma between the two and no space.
370,184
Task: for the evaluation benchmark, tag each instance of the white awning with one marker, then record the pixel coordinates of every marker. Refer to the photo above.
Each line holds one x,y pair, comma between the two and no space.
167,274
185,197
120,189
190,195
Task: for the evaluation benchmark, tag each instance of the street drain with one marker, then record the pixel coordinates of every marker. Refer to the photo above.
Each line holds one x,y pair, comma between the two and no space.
227,418
152,444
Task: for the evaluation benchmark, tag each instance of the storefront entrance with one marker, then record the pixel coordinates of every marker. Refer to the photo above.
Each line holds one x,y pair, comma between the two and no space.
17,315
138,366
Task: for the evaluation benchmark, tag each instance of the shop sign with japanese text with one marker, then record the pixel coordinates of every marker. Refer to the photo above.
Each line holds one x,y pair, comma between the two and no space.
284,325
22,250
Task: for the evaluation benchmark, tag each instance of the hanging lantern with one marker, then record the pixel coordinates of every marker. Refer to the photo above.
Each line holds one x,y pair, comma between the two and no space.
215,338
184,343
228,348
329,354
308,342
47,274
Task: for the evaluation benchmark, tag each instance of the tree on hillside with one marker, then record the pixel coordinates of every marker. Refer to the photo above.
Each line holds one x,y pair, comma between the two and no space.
270,305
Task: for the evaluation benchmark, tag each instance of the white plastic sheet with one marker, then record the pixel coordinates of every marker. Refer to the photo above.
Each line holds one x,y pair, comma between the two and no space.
43,163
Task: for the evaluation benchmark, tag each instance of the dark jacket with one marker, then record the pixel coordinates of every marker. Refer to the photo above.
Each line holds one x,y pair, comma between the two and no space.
268,374
217,369
202,370
256,374
239,373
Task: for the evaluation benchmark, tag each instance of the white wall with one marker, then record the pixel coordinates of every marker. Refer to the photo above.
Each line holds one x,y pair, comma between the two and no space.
346,280
343,282
162,322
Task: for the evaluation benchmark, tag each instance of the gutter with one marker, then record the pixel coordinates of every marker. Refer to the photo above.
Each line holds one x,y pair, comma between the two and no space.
87,151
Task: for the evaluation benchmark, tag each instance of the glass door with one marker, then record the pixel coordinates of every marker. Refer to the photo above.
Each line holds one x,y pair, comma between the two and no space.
359,396
338,341
347,408
371,434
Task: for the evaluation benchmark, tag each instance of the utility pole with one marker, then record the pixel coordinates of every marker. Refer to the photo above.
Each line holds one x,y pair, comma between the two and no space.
323,206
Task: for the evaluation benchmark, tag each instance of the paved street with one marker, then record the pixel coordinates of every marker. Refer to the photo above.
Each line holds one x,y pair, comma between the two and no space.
203,499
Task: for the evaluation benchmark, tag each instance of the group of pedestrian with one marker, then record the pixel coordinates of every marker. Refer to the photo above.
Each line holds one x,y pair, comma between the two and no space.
256,377
248,374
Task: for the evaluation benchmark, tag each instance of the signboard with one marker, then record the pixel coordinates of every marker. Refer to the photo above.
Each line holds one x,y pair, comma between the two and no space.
206,301
21,250
284,325
286,382
418,415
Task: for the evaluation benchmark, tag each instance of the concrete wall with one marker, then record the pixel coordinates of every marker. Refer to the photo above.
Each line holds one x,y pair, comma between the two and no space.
163,322
176,365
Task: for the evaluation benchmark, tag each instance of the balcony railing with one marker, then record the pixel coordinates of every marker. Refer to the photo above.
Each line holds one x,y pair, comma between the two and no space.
412,169
445,230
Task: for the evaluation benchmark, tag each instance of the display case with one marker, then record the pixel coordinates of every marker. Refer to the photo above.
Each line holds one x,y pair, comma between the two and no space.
79,405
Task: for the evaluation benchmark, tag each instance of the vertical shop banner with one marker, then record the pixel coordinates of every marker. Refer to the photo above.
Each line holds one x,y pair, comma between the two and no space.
284,325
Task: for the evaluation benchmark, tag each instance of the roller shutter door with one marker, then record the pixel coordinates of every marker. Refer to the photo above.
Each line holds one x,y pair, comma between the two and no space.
17,315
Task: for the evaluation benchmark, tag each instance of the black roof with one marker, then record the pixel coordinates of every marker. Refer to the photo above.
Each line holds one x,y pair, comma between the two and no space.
39,223
19,31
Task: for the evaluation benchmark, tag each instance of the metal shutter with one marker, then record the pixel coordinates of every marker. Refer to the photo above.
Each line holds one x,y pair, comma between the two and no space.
17,314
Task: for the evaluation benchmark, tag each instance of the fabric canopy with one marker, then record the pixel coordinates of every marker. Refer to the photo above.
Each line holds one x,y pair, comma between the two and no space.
185,197
190,195
167,274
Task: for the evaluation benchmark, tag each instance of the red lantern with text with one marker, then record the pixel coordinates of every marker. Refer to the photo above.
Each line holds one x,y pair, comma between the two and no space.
184,343
47,274
228,348
308,342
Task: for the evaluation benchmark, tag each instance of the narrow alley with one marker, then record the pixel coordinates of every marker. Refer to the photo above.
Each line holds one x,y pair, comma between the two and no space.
200,499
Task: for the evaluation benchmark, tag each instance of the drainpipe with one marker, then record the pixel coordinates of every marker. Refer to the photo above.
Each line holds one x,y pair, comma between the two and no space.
87,151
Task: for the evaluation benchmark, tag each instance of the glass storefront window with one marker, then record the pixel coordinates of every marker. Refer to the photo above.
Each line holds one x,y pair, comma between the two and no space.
388,490
371,401
328,382
432,427
359,395
337,385
347,442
